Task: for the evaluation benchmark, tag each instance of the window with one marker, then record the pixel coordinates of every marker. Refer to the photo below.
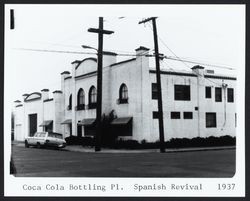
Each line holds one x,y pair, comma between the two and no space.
80,99
70,102
210,120
230,95
188,115
155,115
218,94
123,94
175,115
154,91
182,92
92,97
49,128
208,92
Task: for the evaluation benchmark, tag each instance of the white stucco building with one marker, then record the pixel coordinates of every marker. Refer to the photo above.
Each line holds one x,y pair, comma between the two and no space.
196,103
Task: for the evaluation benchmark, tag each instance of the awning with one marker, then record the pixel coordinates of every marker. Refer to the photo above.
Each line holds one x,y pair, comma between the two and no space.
121,121
46,123
87,122
67,121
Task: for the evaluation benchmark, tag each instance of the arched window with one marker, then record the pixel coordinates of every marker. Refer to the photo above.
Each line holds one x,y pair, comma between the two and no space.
92,97
123,94
80,99
70,102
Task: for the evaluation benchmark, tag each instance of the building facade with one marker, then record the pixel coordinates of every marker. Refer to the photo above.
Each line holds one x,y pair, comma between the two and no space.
196,103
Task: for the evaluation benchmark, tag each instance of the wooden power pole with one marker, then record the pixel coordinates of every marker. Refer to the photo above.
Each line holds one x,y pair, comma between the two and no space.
158,82
100,32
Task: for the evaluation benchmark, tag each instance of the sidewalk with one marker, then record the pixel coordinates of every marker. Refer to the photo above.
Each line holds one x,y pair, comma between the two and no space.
80,148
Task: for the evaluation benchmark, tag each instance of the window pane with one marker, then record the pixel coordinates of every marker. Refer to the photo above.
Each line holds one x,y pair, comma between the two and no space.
155,114
208,92
182,92
124,92
175,115
230,95
154,91
210,119
93,94
188,115
218,94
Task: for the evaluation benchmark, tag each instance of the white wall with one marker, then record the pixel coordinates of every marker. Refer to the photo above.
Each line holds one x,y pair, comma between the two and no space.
189,128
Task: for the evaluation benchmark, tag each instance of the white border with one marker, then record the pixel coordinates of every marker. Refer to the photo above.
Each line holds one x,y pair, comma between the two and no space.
14,186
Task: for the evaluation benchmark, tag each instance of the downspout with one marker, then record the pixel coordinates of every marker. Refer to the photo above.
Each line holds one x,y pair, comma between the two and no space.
198,102
224,86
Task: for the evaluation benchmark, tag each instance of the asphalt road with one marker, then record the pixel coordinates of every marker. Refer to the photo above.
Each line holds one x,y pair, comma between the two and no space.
33,162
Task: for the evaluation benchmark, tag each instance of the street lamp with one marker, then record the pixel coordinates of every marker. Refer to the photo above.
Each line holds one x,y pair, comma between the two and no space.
89,47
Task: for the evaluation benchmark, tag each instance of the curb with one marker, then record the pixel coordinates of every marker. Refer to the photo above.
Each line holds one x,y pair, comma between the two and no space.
114,151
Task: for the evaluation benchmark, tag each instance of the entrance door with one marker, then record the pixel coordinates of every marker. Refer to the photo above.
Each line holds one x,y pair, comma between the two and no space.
79,130
32,124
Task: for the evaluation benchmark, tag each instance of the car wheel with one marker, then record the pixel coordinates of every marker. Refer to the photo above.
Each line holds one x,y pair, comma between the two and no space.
26,144
38,145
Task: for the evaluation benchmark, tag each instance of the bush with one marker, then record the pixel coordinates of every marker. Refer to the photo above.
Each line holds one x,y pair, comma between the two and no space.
76,140
201,142
176,143
110,141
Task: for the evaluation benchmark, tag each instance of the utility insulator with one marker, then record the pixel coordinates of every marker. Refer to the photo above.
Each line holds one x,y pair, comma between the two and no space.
12,19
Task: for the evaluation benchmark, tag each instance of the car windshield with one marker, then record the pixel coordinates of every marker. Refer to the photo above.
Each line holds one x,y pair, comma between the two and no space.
39,134
56,135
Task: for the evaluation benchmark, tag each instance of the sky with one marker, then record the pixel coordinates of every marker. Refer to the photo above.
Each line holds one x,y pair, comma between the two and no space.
211,34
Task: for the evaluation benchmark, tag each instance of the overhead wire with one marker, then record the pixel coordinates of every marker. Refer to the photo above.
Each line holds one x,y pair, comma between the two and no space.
161,40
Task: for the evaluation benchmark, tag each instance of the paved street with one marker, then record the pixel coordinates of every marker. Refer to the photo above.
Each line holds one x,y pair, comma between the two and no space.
59,163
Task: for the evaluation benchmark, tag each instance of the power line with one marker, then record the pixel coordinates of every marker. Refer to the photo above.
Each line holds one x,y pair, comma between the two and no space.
74,52
180,58
56,51
194,62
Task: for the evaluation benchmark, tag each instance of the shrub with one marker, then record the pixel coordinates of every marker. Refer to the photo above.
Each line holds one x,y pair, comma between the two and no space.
76,140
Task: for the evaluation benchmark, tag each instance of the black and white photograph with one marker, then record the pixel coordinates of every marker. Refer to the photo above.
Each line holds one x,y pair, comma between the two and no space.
138,100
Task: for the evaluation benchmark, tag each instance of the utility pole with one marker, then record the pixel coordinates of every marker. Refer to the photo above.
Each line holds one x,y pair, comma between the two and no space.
100,32
158,82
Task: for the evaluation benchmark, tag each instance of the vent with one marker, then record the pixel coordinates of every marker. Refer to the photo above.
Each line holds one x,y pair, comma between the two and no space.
210,71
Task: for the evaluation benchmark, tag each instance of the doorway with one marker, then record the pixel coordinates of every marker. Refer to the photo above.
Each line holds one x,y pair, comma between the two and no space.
79,130
32,124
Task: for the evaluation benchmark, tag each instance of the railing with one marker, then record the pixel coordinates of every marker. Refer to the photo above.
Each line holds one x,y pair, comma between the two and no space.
122,101
80,107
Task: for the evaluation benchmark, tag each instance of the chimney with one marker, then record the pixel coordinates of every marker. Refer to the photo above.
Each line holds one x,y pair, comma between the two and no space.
141,51
199,70
17,102
57,95
65,74
45,94
109,58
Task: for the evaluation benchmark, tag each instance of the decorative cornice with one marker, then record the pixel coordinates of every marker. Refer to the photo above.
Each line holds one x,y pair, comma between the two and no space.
121,62
47,100
142,48
85,75
57,91
174,73
220,77
65,72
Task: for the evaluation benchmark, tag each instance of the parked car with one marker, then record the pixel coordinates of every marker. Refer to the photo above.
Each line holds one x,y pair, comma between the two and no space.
46,139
